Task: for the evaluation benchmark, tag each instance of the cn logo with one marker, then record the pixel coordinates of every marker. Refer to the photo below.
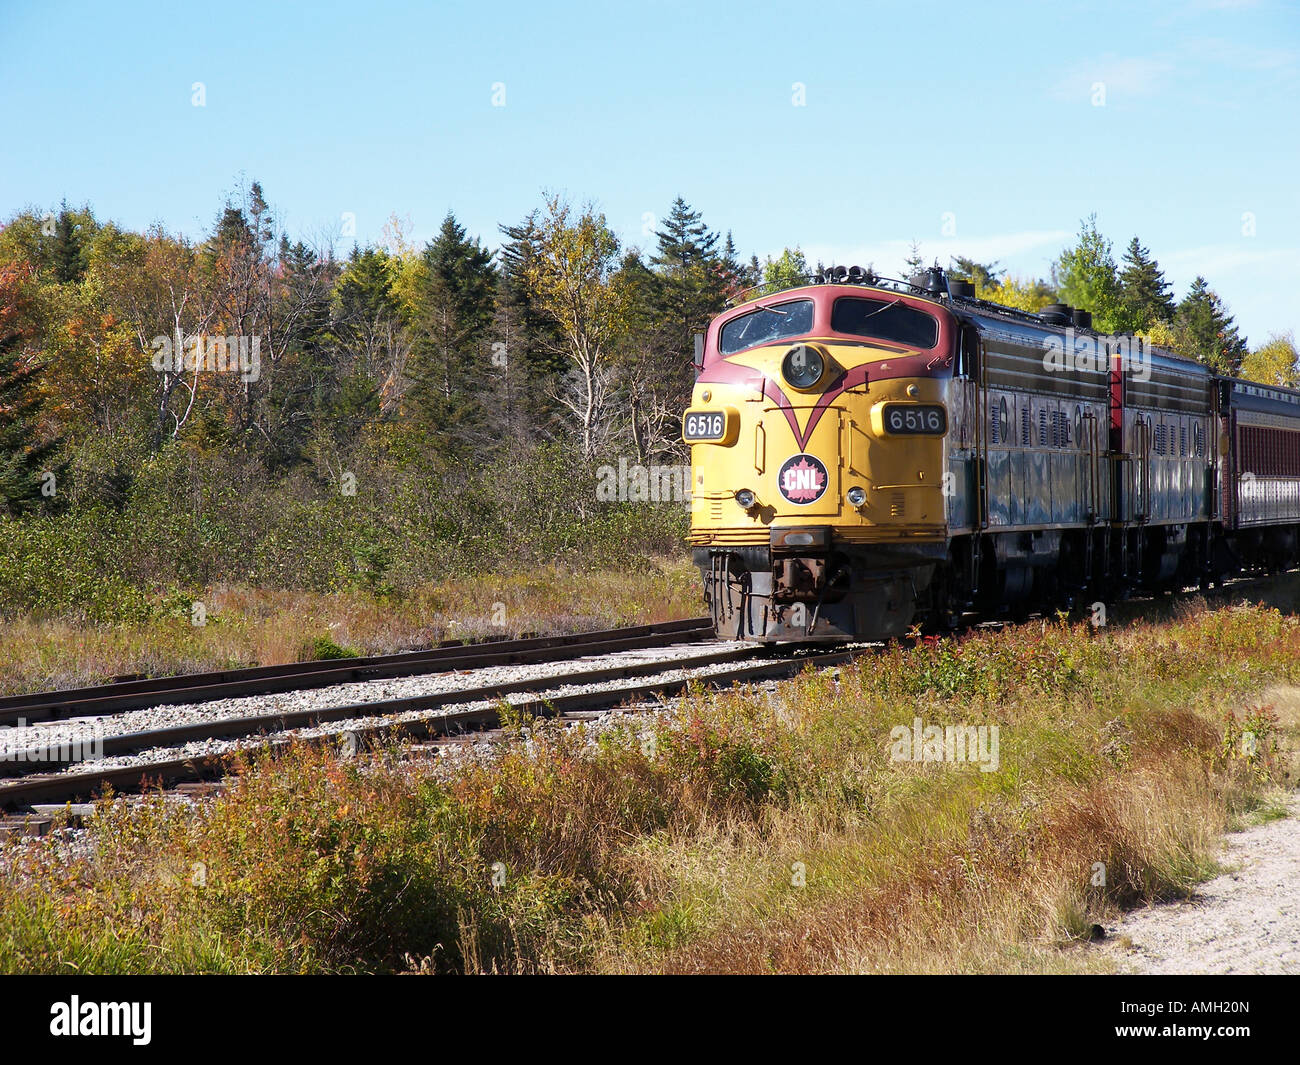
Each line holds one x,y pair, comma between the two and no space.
802,479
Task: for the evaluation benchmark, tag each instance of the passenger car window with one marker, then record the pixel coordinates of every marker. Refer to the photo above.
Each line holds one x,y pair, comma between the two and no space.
776,322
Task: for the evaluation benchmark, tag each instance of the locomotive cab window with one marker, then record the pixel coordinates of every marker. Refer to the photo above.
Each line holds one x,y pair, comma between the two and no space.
885,320
778,322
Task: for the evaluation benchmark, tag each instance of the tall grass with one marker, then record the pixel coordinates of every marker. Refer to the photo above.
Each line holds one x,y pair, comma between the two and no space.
258,626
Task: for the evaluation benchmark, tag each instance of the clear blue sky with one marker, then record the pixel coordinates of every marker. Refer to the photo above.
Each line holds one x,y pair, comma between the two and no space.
982,113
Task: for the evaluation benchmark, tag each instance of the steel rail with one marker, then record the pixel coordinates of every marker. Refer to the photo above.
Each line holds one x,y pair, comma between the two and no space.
70,787
20,761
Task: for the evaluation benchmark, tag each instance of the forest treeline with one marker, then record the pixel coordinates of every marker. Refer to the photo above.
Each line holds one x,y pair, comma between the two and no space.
253,408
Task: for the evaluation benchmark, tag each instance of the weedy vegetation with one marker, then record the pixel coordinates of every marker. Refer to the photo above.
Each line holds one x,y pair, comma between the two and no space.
244,626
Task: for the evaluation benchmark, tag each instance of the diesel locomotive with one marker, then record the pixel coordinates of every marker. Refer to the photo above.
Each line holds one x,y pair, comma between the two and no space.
869,454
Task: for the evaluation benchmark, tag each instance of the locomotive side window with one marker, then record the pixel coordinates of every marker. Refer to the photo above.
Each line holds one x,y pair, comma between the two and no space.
968,353
777,322
885,320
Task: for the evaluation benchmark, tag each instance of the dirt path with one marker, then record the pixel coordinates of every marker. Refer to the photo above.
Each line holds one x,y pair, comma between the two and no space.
1246,921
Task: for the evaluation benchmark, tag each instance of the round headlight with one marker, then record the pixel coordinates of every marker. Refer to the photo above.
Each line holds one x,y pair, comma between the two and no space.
745,498
856,496
803,366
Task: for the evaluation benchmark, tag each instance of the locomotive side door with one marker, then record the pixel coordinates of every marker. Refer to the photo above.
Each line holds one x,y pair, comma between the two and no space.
966,484
1142,440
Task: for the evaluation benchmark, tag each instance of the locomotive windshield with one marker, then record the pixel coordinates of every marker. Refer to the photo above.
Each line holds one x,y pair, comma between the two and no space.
885,320
767,324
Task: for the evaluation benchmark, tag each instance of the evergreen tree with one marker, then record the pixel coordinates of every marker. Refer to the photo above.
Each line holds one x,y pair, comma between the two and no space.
1145,296
308,374
914,264
451,351
246,229
684,240
364,291
518,412
369,343
1206,331
24,458
689,281
232,231
528,359
69,254
540,348
262,226
365,325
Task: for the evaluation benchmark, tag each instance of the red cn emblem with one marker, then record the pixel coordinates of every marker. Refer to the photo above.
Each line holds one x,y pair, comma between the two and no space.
802,480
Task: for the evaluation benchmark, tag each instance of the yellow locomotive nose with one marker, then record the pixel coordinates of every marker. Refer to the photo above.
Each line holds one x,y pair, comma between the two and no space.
816,470
823,504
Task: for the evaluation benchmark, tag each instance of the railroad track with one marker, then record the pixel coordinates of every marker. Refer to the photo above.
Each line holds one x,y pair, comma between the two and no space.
264,680
49,774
